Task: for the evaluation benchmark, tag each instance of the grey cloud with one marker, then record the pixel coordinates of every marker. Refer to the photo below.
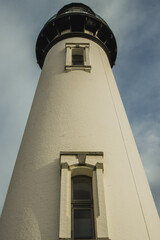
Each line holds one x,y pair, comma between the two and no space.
148,141
136,27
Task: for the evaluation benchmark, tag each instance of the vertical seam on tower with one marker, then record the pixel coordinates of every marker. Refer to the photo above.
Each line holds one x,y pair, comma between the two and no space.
125,147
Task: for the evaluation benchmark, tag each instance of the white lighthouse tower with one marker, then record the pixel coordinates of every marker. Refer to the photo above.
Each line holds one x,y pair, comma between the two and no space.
78,174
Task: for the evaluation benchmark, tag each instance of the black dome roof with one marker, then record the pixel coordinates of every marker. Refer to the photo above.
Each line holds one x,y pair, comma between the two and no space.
76,20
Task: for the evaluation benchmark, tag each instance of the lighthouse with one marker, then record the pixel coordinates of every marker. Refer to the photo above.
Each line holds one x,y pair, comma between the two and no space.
78,174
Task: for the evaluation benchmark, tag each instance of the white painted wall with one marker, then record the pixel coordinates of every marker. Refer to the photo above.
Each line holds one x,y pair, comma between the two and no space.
77,111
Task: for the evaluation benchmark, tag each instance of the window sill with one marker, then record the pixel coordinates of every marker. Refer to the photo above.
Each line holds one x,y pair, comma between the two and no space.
86,68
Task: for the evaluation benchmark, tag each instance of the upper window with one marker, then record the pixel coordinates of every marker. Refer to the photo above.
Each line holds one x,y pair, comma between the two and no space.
77,57
82,208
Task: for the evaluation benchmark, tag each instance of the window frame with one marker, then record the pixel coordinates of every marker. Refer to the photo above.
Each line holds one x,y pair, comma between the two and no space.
89,164
69,54
92,222
82,204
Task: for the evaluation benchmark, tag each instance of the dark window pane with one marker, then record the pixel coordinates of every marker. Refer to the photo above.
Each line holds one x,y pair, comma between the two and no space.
82,188
77,56
77,60
83,224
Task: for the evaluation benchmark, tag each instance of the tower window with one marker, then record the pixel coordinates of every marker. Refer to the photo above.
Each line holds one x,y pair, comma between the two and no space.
82,208
82,198
77,57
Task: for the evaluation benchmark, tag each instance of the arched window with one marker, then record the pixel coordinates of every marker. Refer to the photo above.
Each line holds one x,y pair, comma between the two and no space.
82,198
82,208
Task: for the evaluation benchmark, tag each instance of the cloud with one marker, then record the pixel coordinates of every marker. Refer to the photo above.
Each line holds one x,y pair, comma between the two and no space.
136,27
148,140
17,86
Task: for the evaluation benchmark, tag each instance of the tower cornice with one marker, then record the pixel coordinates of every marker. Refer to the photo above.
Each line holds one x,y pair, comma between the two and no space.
76,20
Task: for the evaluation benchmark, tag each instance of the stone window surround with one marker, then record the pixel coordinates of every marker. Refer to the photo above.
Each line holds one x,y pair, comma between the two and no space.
89,164
69,66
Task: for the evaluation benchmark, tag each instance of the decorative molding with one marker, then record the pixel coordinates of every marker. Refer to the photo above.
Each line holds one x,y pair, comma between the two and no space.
89,164
86,64
64,165
99,165
81,159
98,153
92,239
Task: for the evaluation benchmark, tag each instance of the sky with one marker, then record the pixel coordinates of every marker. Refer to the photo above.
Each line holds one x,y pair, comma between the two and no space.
135,25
